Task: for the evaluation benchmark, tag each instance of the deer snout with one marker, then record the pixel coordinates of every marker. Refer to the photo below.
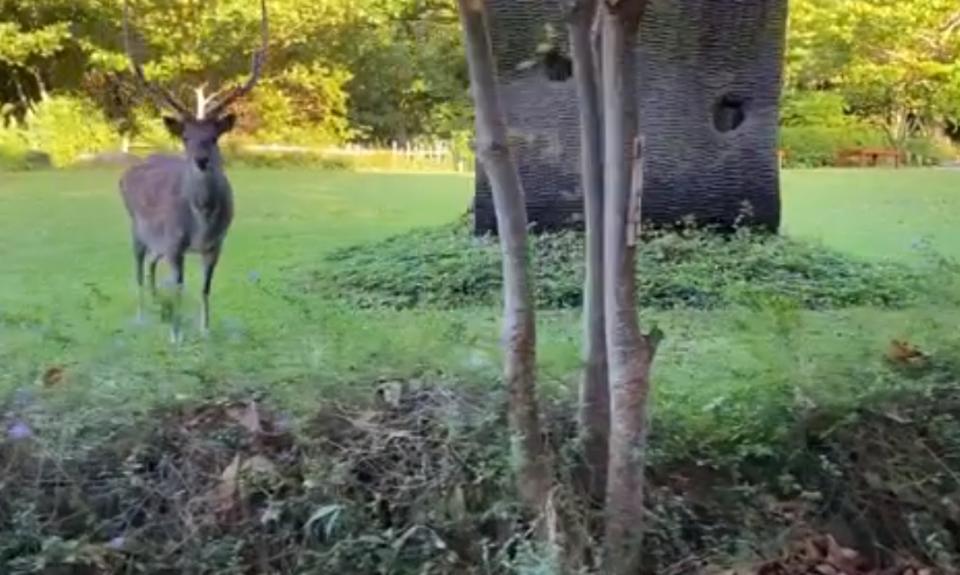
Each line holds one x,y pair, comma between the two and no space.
202,163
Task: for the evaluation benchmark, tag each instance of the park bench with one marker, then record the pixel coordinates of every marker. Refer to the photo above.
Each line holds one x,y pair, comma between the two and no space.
865,157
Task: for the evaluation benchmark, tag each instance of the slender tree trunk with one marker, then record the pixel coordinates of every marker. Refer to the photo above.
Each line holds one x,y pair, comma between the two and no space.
630,353
41,85
519,332
21,94
594,413
898,127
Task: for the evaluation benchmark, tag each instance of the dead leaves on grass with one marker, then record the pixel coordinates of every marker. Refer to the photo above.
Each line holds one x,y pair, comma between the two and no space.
902,353
822,555
248,417
229,495
251,468
53,376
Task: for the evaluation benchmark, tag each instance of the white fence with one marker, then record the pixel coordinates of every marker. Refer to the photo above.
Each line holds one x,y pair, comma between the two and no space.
438,153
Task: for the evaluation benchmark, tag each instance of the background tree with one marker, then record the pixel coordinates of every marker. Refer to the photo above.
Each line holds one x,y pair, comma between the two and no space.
895,64
380,73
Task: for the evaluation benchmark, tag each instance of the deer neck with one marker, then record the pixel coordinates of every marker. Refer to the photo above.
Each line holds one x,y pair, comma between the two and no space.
208,191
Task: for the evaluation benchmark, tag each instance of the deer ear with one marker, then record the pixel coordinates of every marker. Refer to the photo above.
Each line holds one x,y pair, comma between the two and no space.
226,123
174,126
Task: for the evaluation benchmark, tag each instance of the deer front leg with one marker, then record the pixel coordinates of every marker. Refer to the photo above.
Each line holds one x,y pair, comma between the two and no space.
210,260
176,270
153,276
139,254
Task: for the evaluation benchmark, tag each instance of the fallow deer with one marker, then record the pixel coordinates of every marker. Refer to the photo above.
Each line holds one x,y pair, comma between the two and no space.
184,203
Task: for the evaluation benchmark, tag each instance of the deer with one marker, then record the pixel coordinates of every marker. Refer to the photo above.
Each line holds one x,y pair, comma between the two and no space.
183,203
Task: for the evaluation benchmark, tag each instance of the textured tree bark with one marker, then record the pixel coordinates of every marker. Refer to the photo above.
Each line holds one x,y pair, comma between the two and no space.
695,57
531,460
594,409
629,352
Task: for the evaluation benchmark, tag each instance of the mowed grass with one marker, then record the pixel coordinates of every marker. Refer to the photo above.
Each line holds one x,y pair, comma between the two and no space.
67,301
880,213
67,294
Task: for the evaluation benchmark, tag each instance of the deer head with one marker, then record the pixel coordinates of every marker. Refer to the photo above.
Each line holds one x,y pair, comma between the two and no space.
199,131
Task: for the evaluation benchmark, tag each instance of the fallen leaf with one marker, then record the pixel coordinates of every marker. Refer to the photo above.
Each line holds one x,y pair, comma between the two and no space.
843,559
271,514
897,418
329,515
259,464
904,353
457,503
226,493
248,417
53,376
390,394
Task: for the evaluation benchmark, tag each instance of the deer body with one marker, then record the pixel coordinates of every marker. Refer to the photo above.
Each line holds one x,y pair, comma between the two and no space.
183,204
175,209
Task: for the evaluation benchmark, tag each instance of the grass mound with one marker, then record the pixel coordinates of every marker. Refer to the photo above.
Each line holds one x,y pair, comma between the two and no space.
448,268
417,481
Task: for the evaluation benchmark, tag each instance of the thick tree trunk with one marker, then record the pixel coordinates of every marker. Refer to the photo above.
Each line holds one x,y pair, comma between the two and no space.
630,353
519,332
699,60
594,413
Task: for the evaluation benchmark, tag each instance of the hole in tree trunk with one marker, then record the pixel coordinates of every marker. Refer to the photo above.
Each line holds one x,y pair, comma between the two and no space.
556,66
729,112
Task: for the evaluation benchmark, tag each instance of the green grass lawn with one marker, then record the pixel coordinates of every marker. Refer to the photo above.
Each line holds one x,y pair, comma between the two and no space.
875,213
67,297
67,293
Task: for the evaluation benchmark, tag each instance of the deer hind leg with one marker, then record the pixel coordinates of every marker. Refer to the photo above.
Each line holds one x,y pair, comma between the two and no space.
210,260
153,275
176,271
139,254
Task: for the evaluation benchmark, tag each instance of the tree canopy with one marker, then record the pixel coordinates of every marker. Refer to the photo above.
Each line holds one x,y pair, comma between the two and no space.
894,63
393,70
389,69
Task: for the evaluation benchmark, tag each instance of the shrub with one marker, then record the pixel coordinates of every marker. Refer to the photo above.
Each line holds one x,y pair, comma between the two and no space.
421,485
304,105
12,159
13,149
151,133
66,128
816,126
463,155
815,147
929,151
448,267
819,109
236,155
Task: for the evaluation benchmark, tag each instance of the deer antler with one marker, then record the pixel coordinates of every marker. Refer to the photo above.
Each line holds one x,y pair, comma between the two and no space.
161,95
259,57
204,100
